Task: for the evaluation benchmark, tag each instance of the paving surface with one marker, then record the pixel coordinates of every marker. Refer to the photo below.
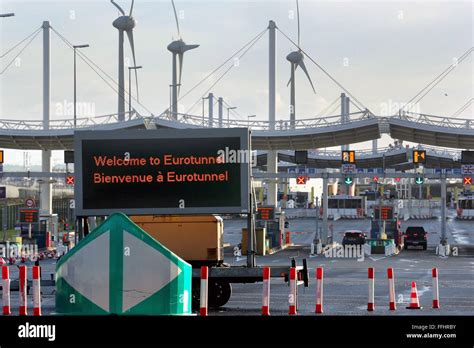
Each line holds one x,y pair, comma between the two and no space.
345,282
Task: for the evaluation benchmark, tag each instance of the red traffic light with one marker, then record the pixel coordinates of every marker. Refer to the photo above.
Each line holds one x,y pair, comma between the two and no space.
69,180
301,180
467,180
397,179
376,179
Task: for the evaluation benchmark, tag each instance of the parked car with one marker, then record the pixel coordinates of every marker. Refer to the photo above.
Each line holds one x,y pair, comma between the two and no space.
416,236
353,237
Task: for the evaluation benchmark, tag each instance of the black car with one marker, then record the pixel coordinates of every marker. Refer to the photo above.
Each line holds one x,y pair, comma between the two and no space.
353,237
416,236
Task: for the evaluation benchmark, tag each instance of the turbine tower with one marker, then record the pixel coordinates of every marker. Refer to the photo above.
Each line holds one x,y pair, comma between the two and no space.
296,60
177,48
126,24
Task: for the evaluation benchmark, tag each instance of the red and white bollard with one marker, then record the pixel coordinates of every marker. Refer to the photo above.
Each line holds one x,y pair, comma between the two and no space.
292,296
435,288
319,289
204,294
266,291
370,303
6,290
23,277
36,291
391,289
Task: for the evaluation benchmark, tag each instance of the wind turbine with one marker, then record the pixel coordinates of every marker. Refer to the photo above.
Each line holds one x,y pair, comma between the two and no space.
177,48
296,60
126,24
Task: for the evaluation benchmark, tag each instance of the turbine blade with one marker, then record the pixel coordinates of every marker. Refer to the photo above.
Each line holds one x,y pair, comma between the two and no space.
131,8
181,58
303,66
118,7
293,68
190,47
298,16
132,46
176,18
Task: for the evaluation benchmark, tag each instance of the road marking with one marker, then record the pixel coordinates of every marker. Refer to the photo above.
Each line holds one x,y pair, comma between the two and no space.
374,259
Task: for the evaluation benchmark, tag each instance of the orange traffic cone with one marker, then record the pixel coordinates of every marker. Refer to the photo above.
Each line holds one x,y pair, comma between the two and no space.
414,303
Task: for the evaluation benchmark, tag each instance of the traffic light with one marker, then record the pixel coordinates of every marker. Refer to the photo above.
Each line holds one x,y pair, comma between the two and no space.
1,156
419,180
348,157
467,180
348,180
376,179
301,180
419,156
70,180
397,179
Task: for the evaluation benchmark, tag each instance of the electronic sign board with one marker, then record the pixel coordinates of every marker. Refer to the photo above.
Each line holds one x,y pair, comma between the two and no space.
172,171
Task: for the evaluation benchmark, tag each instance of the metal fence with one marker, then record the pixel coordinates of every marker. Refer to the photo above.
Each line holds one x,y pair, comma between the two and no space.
10,213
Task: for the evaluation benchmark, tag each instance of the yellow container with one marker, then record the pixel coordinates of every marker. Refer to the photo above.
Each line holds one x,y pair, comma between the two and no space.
194,238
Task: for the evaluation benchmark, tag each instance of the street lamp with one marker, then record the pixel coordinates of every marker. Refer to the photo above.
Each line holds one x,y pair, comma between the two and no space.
75,96
130,68
228,109
7,15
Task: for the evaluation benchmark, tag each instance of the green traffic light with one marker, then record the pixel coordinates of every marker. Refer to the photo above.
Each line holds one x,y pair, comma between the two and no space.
348,180
419,180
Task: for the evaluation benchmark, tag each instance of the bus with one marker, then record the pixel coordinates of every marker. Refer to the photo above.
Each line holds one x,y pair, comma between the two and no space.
347,207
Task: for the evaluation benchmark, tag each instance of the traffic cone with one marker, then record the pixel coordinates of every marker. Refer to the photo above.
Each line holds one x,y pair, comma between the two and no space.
414,303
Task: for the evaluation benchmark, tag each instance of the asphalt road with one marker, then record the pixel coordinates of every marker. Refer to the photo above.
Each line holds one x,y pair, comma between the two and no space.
303,230
346,285
345,282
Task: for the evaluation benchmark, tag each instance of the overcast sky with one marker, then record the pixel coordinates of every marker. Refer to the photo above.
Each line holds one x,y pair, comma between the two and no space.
383,52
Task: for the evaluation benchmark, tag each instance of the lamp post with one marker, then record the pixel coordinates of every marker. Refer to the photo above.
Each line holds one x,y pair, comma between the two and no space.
228,109
130,68
75,47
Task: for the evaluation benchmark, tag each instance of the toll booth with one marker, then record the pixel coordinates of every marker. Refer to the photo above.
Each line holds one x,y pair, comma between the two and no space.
385,224
51,224
37,229
273,221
